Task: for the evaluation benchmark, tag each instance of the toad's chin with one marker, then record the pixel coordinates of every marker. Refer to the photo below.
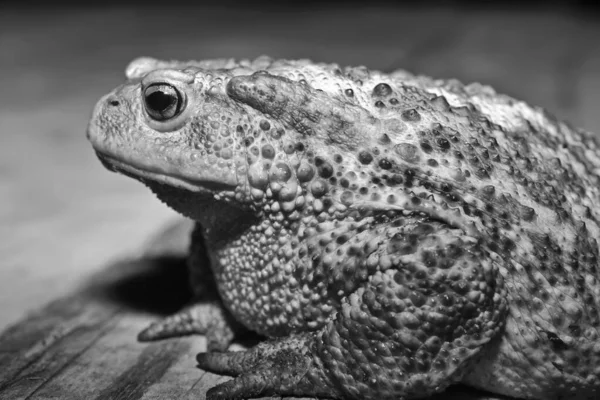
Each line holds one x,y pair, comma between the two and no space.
150,177
206,202
218,214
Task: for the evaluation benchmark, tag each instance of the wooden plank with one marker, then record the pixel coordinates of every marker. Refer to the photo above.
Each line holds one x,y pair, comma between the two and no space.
62,345
100,366
150,367
181,380
32,351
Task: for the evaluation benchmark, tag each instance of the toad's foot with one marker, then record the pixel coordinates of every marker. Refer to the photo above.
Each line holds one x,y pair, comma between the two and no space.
209,319
285,366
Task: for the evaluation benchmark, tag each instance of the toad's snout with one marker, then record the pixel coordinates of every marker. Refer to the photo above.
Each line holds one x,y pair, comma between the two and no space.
103,106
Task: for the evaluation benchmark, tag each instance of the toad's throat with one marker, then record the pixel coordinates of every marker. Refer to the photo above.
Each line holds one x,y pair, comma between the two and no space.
145,174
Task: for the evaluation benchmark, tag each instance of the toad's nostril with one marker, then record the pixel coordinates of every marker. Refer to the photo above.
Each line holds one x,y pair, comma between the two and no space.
113,102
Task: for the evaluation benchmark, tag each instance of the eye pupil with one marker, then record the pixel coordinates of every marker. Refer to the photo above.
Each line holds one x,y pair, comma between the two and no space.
162,101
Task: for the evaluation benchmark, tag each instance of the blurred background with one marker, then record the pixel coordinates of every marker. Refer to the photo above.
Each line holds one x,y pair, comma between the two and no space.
63,217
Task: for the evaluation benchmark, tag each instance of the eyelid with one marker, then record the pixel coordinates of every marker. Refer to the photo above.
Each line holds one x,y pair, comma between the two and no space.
167,75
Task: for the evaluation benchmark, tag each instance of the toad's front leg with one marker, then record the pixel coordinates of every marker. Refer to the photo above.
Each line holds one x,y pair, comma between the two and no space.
205,315
410,330
209,319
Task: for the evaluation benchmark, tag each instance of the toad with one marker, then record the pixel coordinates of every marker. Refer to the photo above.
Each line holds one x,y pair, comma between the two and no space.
389,234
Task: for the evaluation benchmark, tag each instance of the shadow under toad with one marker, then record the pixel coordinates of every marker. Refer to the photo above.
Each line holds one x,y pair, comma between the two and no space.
156,281
157,285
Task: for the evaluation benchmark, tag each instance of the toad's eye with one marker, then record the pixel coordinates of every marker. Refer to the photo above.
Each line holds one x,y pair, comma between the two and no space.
163,101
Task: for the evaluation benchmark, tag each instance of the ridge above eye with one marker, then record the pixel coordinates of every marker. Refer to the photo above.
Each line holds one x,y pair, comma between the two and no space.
163,101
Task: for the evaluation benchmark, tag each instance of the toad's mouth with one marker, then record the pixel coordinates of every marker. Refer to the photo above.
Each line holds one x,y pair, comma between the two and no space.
145,174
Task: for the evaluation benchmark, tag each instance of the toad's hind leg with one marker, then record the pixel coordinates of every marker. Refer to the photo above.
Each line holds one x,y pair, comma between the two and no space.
284,366
409,331
410,335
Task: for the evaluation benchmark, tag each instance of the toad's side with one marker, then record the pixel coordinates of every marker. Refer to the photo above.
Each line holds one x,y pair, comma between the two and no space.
390,234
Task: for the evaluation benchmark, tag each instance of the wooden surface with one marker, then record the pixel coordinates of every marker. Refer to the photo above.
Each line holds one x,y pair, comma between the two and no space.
83,346
69,230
